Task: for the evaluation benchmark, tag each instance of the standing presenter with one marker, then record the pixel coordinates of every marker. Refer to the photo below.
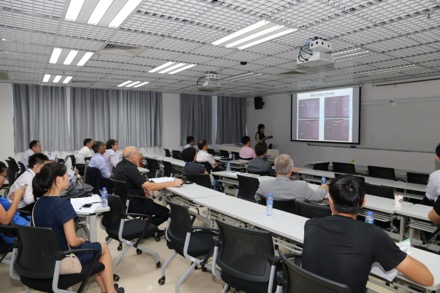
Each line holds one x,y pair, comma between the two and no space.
260,137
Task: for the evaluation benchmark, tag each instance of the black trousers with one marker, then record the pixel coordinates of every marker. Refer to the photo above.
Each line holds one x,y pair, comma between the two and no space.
149,207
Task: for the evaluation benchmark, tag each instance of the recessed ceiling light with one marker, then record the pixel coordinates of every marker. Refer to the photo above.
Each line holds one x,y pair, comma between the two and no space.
70,57
124,13
46,77
85,58
99,11
67,79
125,83
252,35
133,84
55,55
175,66
161,66
171,67
74,9
142,84
57,78
183,68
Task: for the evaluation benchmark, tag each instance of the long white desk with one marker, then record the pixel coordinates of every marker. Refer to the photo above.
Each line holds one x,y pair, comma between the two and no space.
90,213
284,224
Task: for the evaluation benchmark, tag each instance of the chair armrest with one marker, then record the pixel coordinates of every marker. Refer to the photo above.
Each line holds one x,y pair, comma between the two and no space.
193,228
273,260
137,215
216,240
62,254
136,196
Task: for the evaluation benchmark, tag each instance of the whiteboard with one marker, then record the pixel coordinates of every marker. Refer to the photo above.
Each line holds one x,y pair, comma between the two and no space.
408,125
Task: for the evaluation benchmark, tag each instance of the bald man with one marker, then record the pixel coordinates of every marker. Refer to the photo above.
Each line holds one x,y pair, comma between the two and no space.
137,184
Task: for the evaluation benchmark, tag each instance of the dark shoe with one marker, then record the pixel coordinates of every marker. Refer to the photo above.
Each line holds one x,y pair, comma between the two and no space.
120,290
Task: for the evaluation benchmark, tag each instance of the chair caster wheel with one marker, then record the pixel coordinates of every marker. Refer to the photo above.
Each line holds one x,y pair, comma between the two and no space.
161,281
120,247
107,238
157,239
158,265
138,251
115,278
204,269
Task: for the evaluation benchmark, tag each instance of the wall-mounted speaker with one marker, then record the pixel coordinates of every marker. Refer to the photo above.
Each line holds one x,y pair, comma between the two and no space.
258,102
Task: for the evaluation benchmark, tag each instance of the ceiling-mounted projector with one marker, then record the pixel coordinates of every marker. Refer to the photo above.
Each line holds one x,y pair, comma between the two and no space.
209,82
315,52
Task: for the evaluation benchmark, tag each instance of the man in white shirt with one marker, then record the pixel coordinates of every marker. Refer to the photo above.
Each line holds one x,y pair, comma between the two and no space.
203,155
98,161
34,148
189,142
433,187
85,152
110,157
36,162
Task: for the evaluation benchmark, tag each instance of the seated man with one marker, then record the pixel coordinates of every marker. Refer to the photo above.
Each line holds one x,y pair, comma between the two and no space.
36,162
342,249
110,157
433,186
191,167
190,142
260,164
246,152
98,161
203,155
34,148
282,188
85,152
139,185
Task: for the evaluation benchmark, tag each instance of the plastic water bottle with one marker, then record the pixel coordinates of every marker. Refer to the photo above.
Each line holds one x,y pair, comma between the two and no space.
70,179
369,218
228,166
323,180
269,204
233,156
104,196
56,159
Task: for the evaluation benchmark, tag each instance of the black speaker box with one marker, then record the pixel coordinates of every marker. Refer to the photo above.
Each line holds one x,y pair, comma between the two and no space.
258,102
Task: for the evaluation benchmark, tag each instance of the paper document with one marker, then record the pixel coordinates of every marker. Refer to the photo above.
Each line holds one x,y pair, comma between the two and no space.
162,179
378,270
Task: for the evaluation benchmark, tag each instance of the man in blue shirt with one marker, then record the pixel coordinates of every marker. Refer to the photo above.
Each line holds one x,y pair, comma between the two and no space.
98,160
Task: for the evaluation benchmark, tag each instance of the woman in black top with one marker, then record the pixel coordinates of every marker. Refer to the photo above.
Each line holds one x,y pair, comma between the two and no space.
260,137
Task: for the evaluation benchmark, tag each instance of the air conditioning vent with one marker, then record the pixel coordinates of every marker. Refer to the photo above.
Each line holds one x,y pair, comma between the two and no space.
116,49
4,75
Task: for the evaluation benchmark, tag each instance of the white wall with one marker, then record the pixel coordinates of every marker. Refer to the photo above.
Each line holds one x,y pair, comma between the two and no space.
171,121
276,116
7,122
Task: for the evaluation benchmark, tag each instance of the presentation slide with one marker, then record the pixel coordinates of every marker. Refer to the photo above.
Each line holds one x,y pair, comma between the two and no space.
326,116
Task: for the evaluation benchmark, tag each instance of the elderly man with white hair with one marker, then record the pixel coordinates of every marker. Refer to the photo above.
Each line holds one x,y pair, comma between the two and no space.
137,184
282,188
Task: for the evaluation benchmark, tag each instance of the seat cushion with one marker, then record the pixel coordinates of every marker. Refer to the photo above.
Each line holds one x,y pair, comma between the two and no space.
245,286
65,281
200,244
132,229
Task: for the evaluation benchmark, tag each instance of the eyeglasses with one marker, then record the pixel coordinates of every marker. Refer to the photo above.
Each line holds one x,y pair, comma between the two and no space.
4,174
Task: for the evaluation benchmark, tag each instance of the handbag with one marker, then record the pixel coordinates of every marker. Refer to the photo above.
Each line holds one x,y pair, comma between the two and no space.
70,265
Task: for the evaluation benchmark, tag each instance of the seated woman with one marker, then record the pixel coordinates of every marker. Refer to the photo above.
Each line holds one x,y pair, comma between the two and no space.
8,210
57,213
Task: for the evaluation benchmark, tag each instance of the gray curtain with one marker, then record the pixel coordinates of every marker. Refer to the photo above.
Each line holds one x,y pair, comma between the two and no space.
131,117
231,119
195,117
40,112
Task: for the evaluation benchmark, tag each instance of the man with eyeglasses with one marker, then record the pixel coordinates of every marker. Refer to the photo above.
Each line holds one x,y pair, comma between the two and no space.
36,162
34,148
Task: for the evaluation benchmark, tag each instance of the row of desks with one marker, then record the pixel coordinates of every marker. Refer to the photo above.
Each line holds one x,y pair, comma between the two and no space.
285,225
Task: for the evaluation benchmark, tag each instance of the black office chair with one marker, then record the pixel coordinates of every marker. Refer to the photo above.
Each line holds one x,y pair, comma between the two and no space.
36,261
264,173
283,205
235,155
312,210
207,166
177,154
22,169
323,166
81,169
381,172
211,152
199,179
246,259
382,191
193,243
167,169
417,178
346,168
87,159
301,281
123,227
12,171
153,167
93,177
167,153
247,187
5,248
72,160
224,154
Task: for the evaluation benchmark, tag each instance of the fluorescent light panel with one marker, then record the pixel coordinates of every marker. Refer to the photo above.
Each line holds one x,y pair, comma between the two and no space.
124,13
142,84
46,77
252,35
57,78
135,84
67,79
125,83
70,57
55,55
85,58
74,9
57,52
99,11
171,67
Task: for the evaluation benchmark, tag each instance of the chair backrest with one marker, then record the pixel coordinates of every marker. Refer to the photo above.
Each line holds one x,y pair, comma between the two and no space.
312,210
153,166
167,153
72,161
381,172
347,168
299,280
263,173
199,179
177,154
323,166
12,171
180,222
418,178
38,249
244,253
87,159
167,169
22,168
94,177
207,166
382,191
211,151
81,169
235,155
247,187
288,206
112,218
120,189
224,154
